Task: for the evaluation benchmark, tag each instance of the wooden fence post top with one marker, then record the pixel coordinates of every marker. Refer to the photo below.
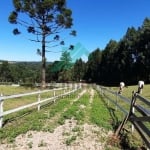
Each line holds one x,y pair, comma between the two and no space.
1,99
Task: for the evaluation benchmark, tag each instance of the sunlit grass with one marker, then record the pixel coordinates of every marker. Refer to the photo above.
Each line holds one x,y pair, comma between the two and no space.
127,91
75,111
11,90
99,114
24,100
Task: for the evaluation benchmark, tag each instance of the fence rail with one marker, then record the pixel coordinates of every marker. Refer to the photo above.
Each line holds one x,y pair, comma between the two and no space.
137,112
38,103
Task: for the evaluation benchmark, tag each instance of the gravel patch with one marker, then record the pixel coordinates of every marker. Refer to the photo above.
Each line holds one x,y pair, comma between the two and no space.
69,136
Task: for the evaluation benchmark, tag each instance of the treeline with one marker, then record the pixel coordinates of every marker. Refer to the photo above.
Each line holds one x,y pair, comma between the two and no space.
126,60
20,72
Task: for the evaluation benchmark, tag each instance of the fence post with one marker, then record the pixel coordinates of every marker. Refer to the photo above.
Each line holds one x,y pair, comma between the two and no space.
99,89
116,99
80,85
108,102
1,110
132,127
103,91
39,99
54,94
133,109
64,91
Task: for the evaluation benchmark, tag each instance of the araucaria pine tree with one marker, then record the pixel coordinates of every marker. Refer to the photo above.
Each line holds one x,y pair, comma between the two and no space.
43,18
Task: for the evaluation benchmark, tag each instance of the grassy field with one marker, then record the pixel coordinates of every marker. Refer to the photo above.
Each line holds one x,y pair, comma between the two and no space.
89,110
11,90
21,101
127,91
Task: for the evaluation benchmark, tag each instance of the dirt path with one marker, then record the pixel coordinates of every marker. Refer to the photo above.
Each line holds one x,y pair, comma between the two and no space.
79,96
64,137
57,116
91,95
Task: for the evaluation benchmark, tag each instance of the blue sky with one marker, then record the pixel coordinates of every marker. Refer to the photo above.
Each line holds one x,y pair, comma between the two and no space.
96,23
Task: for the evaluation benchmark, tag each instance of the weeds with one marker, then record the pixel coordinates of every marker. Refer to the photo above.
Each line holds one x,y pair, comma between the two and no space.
30,144
42,144
70,140
74,111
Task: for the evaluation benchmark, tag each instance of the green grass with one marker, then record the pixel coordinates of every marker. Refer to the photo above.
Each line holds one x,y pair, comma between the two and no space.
95,113
70,140
21,101
127,91
11,90
75,111
99,113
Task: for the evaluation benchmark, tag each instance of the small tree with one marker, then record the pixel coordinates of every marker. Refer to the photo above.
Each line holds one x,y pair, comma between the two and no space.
65,60
44,18
64,67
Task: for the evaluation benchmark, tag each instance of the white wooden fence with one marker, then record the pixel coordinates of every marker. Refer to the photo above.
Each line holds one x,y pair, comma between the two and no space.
137,112
39,100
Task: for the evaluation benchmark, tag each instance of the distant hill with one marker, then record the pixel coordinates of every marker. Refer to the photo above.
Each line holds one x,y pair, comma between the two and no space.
10,62
23,62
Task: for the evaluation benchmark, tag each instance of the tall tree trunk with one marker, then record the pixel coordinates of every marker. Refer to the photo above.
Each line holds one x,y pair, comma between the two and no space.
43,84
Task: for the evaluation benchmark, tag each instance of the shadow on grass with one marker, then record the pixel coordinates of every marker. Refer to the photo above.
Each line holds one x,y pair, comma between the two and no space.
23,113
115,122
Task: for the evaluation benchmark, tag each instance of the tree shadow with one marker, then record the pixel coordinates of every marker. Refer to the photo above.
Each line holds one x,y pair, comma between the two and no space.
115,122
23,113
17,116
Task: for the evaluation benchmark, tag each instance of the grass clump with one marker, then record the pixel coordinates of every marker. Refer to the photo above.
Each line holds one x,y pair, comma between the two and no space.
30,145
70,140
42,144
74,111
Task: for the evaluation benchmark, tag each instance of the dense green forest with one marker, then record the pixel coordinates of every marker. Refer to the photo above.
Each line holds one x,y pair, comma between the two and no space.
126,60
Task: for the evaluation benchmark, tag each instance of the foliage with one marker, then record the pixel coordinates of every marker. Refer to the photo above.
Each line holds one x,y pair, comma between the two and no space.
79,69
93,65
65,67
65,60
5,72
20,72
